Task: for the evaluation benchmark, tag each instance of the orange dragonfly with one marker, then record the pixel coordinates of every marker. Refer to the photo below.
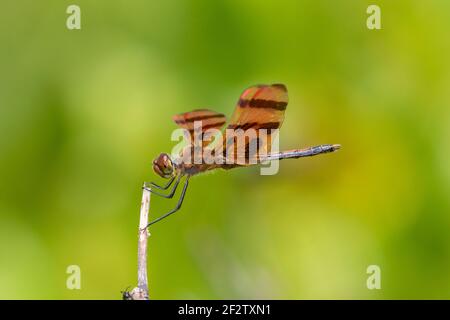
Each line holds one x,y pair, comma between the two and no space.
259,107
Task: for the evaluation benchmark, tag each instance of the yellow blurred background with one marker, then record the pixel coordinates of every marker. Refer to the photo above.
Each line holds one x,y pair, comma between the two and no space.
84,112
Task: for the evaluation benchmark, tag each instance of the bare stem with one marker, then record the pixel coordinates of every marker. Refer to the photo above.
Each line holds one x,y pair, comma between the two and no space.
141,291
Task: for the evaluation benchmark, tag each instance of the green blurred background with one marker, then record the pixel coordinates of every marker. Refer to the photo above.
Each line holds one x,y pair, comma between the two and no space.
84,112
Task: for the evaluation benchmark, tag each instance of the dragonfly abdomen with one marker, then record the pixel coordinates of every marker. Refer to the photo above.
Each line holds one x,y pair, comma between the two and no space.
308,152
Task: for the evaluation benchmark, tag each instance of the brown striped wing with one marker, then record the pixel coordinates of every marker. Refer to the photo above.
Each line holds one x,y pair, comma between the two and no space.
259,107
209,120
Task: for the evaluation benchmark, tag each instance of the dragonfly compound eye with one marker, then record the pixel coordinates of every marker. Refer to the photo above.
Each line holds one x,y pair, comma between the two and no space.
163,165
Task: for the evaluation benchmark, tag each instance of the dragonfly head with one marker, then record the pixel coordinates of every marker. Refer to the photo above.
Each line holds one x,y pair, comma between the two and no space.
163,166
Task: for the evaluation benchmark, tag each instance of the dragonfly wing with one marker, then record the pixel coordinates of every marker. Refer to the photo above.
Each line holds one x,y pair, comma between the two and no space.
200,120
259,107
198,124
208,119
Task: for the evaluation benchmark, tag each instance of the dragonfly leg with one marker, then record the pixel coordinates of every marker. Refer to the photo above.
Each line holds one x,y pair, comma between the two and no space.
178,206
152,184
171,193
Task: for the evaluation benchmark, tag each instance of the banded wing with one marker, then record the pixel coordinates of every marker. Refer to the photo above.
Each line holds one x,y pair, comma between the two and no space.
208,119
259,107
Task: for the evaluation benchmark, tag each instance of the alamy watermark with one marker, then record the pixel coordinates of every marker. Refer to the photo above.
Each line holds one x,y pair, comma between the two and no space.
74,279
73,21
374,279
373,21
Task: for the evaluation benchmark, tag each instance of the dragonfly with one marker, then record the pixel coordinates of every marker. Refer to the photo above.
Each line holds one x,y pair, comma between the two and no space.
259,107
